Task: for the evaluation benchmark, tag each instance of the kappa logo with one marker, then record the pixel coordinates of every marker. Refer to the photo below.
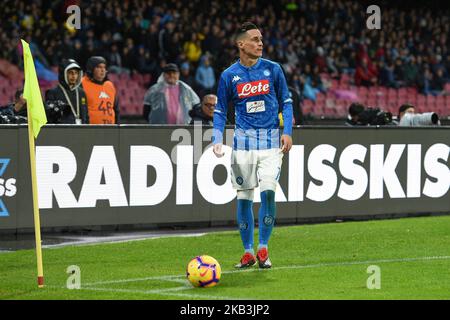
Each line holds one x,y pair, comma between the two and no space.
7,187
236,78
103,95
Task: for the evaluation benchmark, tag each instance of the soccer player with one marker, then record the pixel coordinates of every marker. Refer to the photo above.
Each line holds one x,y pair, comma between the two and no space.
257,88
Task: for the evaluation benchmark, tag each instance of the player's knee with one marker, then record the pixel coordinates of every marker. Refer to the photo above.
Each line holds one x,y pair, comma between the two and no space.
268,185
245,194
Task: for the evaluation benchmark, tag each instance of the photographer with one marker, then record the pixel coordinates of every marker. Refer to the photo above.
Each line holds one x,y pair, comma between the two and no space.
66,103
408,118
15,112
362,116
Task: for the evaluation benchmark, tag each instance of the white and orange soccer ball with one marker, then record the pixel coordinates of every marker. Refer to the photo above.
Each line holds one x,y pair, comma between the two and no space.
203,271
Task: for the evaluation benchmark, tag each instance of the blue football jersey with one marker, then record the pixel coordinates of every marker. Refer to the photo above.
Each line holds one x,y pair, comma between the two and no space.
257,92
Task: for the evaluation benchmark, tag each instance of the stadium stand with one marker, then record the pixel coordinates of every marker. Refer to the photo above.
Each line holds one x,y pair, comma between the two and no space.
329,35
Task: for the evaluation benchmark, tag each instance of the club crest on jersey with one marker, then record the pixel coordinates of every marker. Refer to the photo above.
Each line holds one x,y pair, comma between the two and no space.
254,88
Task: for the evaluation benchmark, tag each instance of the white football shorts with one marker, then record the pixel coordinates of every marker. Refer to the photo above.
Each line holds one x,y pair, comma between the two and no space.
250,168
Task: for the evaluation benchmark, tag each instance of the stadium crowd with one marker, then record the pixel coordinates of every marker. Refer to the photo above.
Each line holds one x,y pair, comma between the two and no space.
309,39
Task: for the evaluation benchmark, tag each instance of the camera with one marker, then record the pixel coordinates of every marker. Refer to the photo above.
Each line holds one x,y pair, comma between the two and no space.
55,110
362,116
375,117
12,119
7,116
419,119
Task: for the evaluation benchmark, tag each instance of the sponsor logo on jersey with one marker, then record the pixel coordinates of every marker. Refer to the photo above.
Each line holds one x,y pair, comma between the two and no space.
236,78
256,106
254,88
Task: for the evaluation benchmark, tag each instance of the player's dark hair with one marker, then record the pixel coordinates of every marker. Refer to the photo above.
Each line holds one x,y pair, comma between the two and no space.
244,28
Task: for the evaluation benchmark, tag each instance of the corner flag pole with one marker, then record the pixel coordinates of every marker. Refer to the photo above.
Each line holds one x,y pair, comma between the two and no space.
36,119
37,222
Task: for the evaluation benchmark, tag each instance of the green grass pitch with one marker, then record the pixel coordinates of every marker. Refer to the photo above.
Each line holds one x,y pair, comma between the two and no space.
324,261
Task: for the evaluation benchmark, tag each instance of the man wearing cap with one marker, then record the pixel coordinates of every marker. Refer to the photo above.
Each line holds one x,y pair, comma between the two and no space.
170,99
70,93
102,100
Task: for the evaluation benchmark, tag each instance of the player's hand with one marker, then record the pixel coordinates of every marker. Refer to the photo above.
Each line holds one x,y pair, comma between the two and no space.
217,149
286,143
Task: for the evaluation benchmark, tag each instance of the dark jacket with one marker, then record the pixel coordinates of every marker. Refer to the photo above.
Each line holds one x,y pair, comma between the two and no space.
76,95
197,114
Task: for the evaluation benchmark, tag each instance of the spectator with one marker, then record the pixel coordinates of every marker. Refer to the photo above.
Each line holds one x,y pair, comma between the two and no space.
102,100
15,112
204,112
364,75
426,81
204,76
411,72
186,75
115,60
144,64
438,83
331,64
405,108
169,100
193,49
70,93
386,75
296,106
320,61
398,73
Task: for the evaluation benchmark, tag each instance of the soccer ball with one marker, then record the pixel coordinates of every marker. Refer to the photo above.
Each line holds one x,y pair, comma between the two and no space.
203,271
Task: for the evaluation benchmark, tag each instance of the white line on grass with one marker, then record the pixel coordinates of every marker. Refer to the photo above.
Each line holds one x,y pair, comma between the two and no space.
175,278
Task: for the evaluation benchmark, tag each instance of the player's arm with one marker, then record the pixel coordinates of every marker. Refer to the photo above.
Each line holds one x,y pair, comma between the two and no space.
285,101
220,116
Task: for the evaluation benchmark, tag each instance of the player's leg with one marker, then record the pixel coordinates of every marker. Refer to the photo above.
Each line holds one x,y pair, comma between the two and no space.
269,172
243,178
246,226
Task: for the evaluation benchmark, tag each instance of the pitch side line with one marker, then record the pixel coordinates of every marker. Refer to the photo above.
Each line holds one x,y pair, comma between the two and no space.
176,278
162,292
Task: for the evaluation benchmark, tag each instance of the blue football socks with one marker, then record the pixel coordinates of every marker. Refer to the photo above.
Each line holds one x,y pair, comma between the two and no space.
246,223
266,217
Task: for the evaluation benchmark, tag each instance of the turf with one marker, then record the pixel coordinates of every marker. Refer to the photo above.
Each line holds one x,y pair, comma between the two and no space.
326,261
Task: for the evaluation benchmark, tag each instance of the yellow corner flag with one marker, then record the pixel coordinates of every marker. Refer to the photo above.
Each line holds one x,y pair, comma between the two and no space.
32,92
36,119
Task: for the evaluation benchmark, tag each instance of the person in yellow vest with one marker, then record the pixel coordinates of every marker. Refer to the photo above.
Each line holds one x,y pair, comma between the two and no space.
102,100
